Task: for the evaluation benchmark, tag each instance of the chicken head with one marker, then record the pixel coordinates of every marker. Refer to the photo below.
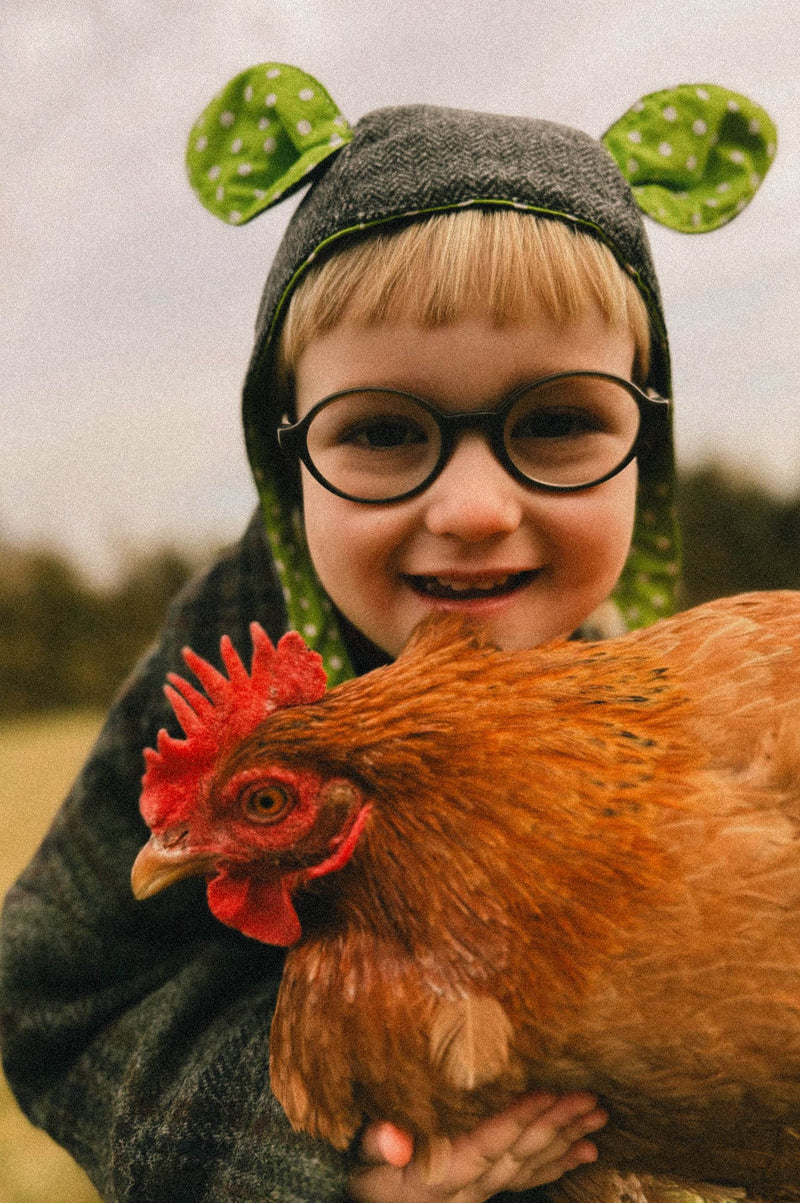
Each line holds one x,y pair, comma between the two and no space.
257,831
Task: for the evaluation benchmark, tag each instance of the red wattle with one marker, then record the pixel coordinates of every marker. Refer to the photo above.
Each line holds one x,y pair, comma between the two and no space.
262,910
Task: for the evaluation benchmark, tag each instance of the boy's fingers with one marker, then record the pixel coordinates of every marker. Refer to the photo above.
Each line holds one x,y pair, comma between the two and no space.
494,1135
539,1123
552,1134
527,1175
547,1148
534,1141
384,1143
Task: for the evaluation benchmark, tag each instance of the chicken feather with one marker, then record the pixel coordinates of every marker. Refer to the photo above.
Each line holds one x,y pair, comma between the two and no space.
569,868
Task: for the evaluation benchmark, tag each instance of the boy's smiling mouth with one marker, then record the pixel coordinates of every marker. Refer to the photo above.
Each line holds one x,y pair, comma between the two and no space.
469,587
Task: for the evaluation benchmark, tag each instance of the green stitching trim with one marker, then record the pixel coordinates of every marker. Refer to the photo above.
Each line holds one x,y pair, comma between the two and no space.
309,609
473,203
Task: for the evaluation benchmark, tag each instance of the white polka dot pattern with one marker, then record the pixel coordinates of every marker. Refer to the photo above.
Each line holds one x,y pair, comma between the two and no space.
701,153
259,140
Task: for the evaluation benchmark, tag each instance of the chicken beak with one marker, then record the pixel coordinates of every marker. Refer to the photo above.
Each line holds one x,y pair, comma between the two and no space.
165,859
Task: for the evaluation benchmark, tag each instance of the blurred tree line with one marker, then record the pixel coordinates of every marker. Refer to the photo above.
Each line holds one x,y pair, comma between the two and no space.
736,536
65,642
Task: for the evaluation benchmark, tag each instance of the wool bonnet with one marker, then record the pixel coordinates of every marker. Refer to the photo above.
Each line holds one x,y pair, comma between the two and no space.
403,164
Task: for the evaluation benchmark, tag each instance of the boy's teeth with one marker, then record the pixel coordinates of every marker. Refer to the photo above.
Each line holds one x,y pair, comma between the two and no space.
462,586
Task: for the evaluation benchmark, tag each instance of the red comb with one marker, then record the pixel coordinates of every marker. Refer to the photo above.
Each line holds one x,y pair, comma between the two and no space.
290,674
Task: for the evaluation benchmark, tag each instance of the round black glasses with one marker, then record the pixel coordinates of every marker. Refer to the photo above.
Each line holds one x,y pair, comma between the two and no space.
564,432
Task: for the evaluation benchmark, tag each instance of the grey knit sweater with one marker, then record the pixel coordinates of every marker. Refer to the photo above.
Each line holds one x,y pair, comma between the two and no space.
137,1033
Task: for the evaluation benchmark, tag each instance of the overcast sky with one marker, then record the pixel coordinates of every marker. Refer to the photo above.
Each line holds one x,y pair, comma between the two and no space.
126,310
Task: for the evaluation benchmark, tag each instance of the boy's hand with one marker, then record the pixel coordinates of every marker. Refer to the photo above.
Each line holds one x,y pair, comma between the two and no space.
534,1141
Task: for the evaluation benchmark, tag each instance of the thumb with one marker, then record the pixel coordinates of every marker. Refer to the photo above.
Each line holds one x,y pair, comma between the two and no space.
384,1144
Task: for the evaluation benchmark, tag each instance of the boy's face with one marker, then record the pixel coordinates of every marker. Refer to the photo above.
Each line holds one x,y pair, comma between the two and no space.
388,566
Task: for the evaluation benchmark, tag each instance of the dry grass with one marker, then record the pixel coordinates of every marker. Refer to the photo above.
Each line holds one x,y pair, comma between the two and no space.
38,759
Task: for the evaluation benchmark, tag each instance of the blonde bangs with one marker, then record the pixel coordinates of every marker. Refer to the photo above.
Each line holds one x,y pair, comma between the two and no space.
443,269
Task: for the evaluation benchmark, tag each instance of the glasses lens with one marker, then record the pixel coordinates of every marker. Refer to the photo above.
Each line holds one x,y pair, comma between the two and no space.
374,445
571,431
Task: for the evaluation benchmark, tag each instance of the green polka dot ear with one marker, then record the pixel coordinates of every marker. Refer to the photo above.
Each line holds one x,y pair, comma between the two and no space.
694,155
260,139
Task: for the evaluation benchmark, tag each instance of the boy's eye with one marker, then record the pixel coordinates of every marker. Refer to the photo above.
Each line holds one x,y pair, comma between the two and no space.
378,433
550,423
571,430
373,445
371,421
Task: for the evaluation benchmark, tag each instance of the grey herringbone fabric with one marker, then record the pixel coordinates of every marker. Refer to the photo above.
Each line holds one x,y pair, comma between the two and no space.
418,158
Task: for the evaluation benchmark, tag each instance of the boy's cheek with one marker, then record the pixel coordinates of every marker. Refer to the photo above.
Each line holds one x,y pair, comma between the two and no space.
348,543
349,532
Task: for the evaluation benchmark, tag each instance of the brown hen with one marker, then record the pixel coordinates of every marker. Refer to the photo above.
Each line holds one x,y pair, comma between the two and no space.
574,867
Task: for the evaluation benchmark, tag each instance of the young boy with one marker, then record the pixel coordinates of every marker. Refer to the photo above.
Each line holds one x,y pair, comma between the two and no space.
446,263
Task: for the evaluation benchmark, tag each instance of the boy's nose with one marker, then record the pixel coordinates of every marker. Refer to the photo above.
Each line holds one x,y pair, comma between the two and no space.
474,497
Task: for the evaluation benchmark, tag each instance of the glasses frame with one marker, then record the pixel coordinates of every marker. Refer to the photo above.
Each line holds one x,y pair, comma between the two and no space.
653,410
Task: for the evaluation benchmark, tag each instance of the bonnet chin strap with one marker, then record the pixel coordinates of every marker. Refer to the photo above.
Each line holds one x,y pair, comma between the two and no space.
694,157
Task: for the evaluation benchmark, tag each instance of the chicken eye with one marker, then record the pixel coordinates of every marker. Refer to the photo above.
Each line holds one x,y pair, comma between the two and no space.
267,803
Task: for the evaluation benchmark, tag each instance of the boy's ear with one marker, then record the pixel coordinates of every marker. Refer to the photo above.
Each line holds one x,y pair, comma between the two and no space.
694,155
260,139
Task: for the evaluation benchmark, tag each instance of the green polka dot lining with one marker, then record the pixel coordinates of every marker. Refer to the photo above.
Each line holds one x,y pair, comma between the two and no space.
308,606
259,140
694,155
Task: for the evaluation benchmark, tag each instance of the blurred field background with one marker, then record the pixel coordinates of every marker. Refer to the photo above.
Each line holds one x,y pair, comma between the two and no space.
39,756
66,643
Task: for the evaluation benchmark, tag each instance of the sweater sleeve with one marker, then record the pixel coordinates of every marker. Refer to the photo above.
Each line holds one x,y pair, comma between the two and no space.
136,1033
